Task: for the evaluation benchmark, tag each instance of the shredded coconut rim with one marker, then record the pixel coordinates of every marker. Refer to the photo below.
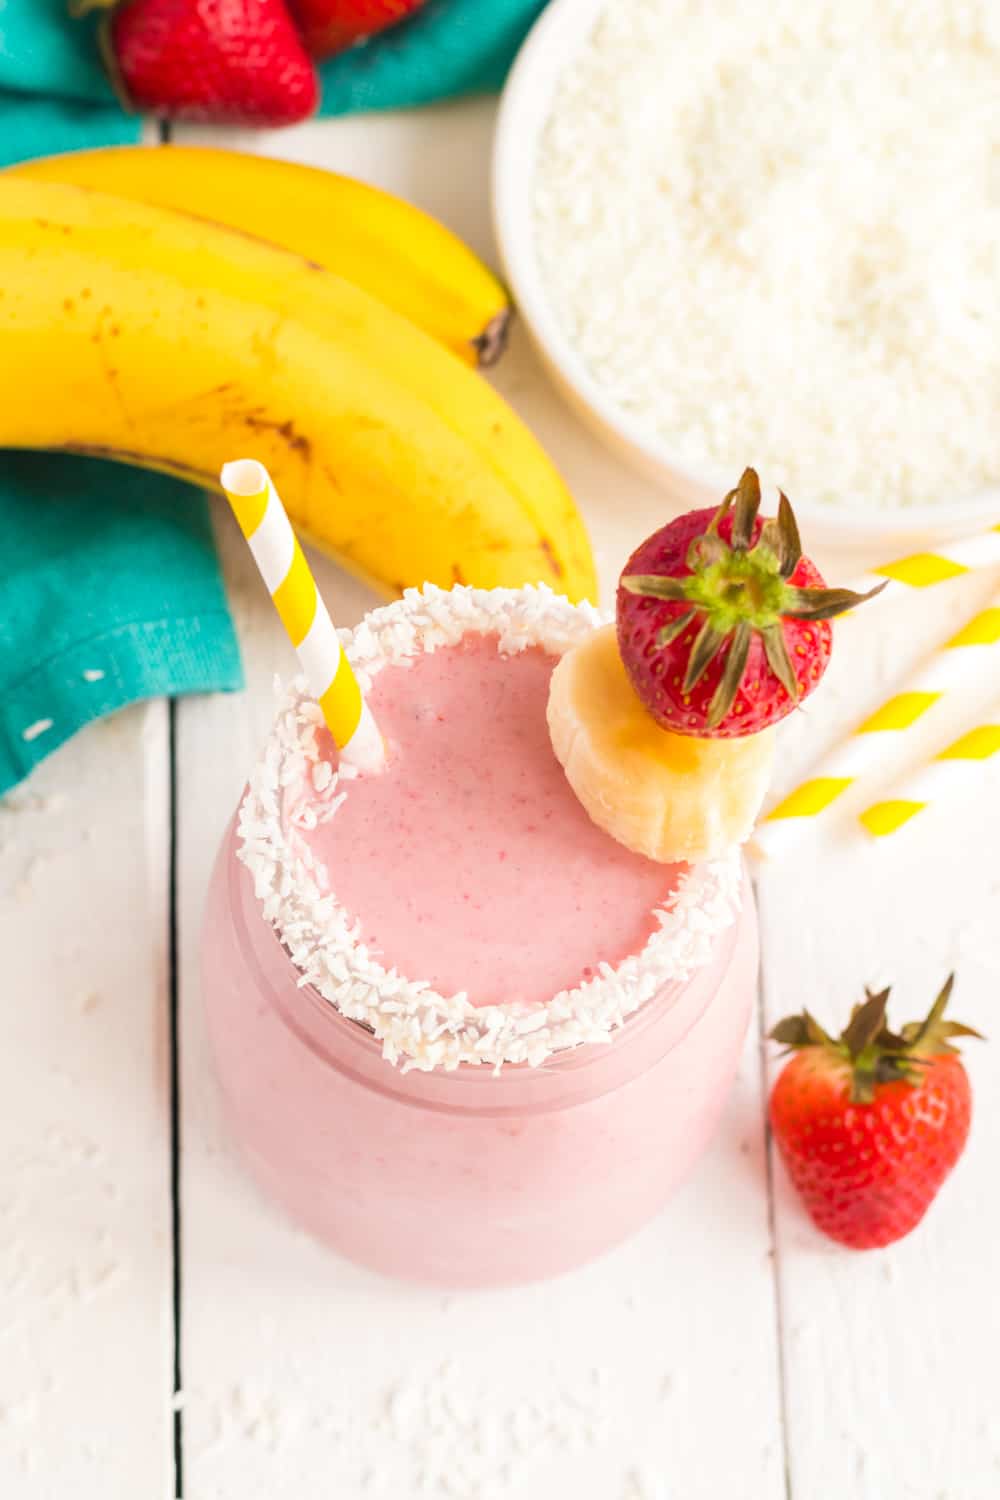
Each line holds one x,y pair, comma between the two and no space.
416,1026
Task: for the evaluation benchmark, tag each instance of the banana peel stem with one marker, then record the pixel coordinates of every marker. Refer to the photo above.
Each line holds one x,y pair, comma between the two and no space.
489,345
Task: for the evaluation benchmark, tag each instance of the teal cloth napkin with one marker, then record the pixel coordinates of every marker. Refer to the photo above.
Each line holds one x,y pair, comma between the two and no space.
450,48
109,585
54,95
110,593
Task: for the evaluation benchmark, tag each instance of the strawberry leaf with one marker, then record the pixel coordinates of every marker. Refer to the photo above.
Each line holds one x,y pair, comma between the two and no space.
791,1032
802,1030
865,1024
705,550
745,513
676,627
721,514
790,549
778,660
656,585
732,675
824,604
708,643
940,1005
932,1035
955,1028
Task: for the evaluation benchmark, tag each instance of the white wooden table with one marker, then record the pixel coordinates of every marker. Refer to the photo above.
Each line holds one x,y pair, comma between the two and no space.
154,1309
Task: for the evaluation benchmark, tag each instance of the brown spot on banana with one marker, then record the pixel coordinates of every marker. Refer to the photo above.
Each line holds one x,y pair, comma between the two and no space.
297,442
550,556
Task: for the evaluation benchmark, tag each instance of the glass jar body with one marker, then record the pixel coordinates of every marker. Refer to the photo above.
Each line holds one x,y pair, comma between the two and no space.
467,1178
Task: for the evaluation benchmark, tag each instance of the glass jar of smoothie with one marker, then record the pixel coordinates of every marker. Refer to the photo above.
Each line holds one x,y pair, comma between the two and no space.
462,1034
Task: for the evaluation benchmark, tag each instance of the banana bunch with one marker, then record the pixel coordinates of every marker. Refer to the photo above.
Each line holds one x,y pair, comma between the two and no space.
383,244
129,330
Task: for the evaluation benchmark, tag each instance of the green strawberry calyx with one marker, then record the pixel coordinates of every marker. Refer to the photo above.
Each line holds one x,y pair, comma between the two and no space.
869,1052
740,588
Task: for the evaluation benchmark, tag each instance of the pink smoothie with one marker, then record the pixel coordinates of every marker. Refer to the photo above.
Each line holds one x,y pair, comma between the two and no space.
469,862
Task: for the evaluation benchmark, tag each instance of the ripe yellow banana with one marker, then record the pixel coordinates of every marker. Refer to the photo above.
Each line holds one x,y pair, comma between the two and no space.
136,333
384,245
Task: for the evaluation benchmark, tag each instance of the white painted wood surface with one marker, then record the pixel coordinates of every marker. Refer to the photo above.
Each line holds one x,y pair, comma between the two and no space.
86,1319
655,1374
890,1390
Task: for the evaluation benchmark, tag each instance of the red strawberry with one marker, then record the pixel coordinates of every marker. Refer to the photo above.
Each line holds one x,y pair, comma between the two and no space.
870,1124
330,26
722,623
235,62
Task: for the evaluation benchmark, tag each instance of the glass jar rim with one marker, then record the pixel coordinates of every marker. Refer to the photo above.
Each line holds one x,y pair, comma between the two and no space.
410,1019
581,1072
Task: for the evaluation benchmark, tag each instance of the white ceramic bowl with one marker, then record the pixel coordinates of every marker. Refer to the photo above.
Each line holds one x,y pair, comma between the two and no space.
524,109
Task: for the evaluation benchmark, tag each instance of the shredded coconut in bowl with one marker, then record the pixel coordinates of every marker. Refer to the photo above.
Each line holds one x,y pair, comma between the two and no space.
293,787
771,230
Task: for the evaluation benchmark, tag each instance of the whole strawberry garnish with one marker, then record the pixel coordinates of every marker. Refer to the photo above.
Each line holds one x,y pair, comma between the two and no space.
330,26
723,624
870,1123
235,62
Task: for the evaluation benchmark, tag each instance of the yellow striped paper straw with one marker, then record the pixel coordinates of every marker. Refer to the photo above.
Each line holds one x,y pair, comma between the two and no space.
923,570
264,522
939,779
959,662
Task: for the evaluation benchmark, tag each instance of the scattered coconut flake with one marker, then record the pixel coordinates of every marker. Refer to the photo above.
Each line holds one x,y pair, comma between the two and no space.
416,1026
472,1442
322,775
24,889
93,674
